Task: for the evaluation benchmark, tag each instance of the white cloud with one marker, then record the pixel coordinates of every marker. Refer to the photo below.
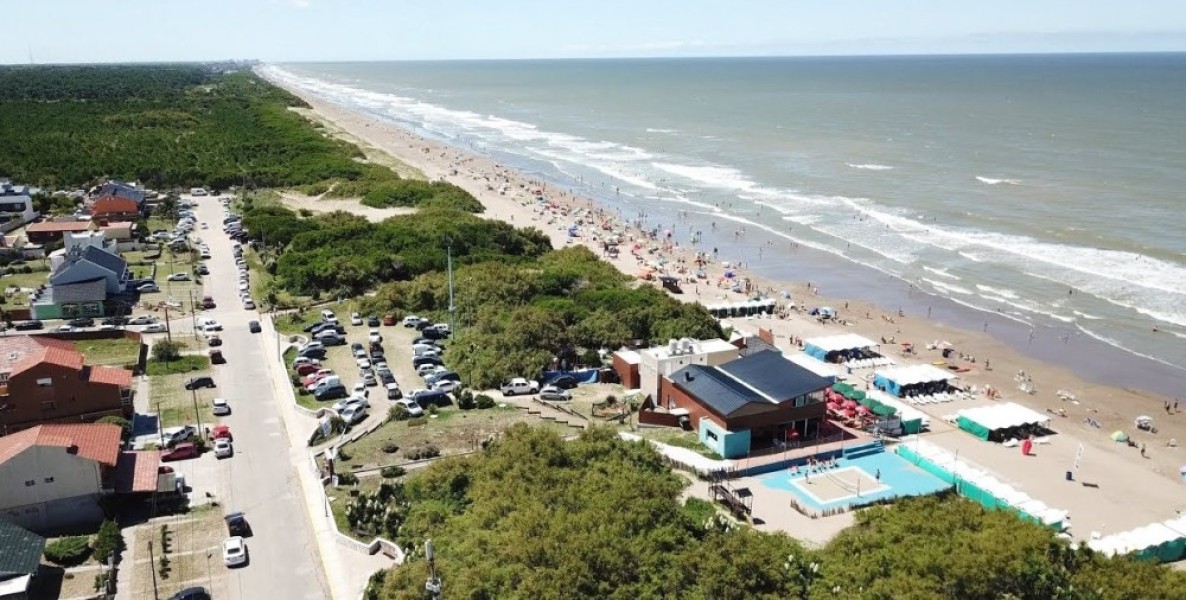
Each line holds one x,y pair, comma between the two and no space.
300,3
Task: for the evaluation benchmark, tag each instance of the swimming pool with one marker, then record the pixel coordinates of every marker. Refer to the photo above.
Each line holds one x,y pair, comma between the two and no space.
855,482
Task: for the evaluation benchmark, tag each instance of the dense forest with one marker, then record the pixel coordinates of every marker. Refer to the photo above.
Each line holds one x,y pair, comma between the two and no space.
533,516
180,126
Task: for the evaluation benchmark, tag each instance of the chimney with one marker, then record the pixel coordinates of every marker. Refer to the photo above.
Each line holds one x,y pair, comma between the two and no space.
687,376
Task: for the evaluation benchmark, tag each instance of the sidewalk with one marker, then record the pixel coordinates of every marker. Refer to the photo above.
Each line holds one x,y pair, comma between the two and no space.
346,570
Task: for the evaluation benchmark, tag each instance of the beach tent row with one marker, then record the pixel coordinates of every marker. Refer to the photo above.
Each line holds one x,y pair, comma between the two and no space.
743,308
978,485
1163,542
828,371
984,420
895,379
821,347
913,420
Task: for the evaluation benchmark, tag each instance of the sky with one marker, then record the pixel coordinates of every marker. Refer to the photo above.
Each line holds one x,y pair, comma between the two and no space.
72,31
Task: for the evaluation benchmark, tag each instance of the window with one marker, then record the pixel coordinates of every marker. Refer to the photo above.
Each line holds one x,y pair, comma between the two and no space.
30,483
48,406
49,480
45,382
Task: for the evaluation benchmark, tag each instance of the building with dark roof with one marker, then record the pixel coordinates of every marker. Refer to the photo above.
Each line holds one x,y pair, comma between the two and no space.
748,404
76,281
119,189
20,557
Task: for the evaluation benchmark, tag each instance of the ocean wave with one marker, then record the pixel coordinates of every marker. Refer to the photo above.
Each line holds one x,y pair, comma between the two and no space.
947,287
1004,292
726,178
661,130
1087,316
870,167
1117,344
993,181
941,273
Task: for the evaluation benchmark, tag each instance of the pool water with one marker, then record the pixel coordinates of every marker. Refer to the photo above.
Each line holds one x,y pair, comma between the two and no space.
898,478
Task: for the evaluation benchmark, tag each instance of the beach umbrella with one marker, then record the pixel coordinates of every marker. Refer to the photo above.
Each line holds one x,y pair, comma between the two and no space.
826,310
729,275
862,410
1119,436
850,404
850,412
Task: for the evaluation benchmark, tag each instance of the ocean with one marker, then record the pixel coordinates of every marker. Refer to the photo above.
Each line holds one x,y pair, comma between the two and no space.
1036,197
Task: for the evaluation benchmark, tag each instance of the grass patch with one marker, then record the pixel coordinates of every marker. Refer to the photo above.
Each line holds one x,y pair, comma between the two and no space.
25,280
188,364
699,510
340,499
118,351
453,431
680,439
305,400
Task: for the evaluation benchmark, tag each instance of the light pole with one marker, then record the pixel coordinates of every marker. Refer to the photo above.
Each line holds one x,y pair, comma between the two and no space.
209,573
197,415
152,569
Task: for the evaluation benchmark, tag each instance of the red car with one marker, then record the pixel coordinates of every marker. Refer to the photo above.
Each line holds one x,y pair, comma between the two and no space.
181,452
307,368
389,320
208,302
222,431
318,376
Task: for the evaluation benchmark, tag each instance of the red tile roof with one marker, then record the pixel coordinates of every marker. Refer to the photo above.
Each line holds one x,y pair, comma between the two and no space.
95,441
111,375
137,471
18,353
50,226
114,204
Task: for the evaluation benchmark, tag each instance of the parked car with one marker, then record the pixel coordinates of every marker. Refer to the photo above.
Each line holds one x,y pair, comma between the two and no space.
234,551
307,368
197,383
328,316
389,320
315,352
332,392
67,328
436,376
420,361
142,320
426,370
237,525
222,431
385,377
208,302
410,405
412,321
372,321
433,333
348,402
360,389
300,360
214,341
221,407
172,436
427,397
358,350
519,385
223,448
248,304
254,326
193,593
114,321
318,375
178,277
181,452
393,391
353,414
82,322
203,269
355,319
446,385
551,392
154,328
147,288
368,378
313,345
363,363
216,357
566,382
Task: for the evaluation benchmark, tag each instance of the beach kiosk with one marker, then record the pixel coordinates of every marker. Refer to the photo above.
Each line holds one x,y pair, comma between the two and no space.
998,422
840,348
912,380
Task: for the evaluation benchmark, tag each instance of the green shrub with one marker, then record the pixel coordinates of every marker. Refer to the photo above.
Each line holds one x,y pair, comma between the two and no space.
483,401
124,425
392,472
465,400
68,551
109,541
422,453
347,478
390,448
398,413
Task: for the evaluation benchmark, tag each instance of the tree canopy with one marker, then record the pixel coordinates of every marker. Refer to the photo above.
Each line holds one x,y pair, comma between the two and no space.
533,516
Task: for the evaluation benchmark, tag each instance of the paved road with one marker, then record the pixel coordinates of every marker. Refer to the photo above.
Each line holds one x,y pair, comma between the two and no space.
259,479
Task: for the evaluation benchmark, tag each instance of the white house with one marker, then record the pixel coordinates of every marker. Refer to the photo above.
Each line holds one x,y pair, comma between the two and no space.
16,205
53,474
655,363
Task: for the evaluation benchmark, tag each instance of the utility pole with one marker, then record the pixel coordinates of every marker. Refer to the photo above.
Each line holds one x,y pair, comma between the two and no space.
452,307
433,584
193,313
197,415
159,428
168,329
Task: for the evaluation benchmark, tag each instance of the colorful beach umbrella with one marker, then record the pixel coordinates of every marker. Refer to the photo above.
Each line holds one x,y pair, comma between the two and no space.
1119,436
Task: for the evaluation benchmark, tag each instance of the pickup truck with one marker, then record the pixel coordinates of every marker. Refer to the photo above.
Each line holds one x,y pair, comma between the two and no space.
519,385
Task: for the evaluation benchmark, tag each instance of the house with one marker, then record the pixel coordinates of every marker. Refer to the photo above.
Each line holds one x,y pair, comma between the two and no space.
20,557
132,191
47,232
116,208
16,205
44,380
746,405
82,283
54,474
652,364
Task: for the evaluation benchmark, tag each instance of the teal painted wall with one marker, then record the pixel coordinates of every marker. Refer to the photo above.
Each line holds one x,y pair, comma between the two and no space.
728,444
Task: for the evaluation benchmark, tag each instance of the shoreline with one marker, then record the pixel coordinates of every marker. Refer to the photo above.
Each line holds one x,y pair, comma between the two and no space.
1113,407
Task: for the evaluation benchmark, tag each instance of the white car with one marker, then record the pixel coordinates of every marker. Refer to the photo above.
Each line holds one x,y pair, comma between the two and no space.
412,321
442,327
519,385
141,320
154,328
66,328
345,403
446,385
244,286
375,337
355,319
551,392
221,407
179,277
426,370
328,316
360,389
363,363
313,345
148,288
353,414
234,551
410,406
249,304
223,448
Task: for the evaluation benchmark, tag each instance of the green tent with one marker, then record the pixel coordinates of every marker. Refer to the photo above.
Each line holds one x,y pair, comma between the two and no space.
883,410
973,427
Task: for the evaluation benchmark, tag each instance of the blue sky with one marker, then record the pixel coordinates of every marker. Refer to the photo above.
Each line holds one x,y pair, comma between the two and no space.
312,30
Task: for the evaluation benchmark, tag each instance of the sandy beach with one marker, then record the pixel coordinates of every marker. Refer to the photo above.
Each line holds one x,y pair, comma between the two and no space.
1148,484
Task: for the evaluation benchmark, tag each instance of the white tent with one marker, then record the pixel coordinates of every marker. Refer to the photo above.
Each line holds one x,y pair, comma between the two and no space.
815,365
1003,416
844,341
914,374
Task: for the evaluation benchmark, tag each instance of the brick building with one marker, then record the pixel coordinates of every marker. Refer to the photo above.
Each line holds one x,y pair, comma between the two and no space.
44,380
